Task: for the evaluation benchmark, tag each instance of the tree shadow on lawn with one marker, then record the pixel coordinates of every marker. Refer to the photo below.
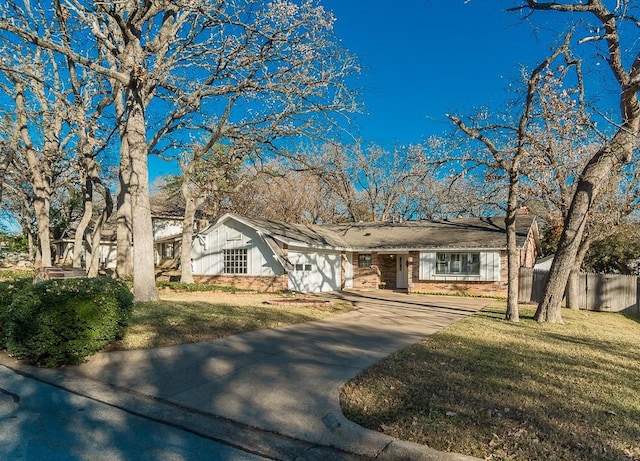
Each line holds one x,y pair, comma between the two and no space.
487,398
168,323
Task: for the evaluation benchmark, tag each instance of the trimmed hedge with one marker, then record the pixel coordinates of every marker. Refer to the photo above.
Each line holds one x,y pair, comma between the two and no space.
7,292
62,322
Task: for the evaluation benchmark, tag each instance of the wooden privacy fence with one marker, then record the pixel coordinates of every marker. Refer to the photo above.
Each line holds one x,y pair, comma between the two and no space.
596,292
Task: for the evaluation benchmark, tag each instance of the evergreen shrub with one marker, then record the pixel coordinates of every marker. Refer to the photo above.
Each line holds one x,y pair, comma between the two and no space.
8,289
62,322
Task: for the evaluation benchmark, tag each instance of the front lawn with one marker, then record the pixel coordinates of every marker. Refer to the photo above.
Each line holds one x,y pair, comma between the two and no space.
496,390
187,317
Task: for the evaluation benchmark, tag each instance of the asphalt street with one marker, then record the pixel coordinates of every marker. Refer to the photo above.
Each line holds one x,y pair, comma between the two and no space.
41,422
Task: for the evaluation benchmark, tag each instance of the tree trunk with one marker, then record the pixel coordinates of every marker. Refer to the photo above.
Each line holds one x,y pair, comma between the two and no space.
186,271
78,239
609,158
93,262
124,265
40,181
144,282
513,260
41,206
573,295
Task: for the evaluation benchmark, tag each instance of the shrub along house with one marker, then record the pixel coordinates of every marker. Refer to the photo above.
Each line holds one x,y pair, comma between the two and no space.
458,255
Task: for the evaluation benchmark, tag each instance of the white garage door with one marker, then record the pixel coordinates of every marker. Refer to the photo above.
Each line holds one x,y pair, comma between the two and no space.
314,272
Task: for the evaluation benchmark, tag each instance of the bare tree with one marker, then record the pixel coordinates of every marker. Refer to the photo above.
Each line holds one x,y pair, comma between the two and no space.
31,79
174,64
508,147
279,191
372,183
610,26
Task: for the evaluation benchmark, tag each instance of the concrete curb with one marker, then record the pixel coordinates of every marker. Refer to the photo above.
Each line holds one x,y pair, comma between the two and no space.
351,442
399,450
253,440
217,389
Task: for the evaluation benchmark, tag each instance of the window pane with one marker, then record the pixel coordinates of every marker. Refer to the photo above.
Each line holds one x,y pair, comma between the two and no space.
458,263
168,250
235,261
364,260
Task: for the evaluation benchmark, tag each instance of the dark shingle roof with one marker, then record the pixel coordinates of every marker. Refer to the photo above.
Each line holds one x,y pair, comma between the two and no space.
486,232
312,235
459,233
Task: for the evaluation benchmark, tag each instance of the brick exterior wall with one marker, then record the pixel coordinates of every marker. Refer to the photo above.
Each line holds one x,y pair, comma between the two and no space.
387,265
366,278
253,282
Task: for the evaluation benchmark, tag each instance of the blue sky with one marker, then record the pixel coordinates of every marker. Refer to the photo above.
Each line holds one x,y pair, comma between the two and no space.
424,58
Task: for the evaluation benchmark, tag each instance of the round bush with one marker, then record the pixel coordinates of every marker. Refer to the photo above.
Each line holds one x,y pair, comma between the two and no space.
8,290
61,322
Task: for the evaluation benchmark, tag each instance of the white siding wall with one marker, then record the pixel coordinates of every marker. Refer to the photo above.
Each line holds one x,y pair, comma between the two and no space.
489,268
109,255
315,271
348,269
208,250
163,228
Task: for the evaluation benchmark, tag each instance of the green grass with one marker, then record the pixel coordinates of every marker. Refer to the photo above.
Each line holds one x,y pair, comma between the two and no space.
181,318
502,391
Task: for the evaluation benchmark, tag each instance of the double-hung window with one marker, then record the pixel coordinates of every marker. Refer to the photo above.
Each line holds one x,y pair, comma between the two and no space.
458,263
235,261
364,260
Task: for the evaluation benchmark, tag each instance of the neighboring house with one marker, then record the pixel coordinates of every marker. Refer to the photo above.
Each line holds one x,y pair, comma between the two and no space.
167,238
455,255
167,235
63,254
544,264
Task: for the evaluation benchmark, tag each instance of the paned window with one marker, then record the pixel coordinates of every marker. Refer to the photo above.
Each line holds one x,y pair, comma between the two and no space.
458,263
167,250
235,261
303,267
364,260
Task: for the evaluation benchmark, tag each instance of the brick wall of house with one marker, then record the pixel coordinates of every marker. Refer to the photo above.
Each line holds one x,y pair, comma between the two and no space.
529,252
253,282
387,265
478,288
366,277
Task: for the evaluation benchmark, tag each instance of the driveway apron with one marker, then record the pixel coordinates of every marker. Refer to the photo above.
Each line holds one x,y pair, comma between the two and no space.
286,380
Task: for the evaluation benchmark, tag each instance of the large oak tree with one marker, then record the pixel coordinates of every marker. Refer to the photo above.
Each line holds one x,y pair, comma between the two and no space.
240,72
613,28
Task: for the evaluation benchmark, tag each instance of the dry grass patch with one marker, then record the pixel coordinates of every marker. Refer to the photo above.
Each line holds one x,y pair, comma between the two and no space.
9,274
496,390
180,318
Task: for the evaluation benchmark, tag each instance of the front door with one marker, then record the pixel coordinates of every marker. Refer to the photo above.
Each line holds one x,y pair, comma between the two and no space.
401,272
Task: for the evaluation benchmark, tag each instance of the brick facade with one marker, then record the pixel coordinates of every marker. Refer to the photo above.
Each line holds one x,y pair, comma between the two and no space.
253,282
366,278
383,269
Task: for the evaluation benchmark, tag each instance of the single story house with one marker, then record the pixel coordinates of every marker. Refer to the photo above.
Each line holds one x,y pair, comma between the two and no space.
467,254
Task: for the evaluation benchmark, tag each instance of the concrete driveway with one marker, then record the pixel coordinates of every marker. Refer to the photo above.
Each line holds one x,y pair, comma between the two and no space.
286,380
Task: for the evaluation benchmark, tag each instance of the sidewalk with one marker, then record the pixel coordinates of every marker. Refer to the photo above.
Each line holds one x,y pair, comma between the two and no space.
287,380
